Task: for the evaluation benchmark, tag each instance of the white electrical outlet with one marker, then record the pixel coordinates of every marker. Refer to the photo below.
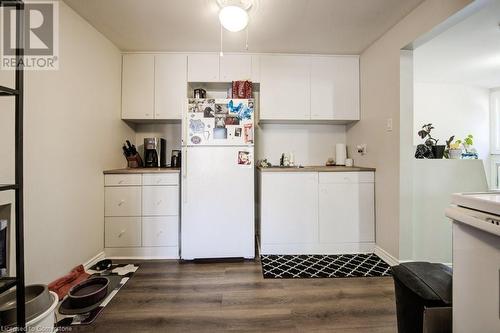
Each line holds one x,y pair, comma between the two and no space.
361,149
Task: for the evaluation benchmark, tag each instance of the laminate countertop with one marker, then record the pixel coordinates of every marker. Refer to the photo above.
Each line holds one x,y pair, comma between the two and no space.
141,171
320,168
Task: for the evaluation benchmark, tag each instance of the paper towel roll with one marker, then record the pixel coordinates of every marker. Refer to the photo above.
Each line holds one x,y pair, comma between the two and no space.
340,154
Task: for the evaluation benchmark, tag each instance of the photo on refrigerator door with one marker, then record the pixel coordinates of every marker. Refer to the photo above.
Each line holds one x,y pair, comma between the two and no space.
244,158
248,133
220,121
220,133
237,132
243,111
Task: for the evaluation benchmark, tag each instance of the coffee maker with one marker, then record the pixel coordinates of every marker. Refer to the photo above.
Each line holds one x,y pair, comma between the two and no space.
155,152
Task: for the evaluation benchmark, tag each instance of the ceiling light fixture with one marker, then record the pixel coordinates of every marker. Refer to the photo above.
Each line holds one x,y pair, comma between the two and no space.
233,15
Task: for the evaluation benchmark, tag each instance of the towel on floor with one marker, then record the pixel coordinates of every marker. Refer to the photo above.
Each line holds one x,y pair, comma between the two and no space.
62,285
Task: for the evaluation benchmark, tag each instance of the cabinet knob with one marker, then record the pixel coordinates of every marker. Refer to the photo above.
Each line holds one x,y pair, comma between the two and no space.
158,203
121,233
121,202
121,181
158,181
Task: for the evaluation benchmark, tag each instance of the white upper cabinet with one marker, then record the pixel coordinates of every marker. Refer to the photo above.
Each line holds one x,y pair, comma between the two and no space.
285,87
235,67
170,85
203,67
335,88
138,86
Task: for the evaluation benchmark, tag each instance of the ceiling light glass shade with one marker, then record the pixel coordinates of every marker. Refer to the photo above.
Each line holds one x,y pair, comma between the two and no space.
233,18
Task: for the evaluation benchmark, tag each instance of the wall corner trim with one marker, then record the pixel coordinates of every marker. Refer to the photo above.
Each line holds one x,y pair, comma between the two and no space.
386,256
95,259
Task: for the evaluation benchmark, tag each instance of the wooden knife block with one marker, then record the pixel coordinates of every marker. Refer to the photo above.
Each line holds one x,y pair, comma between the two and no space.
134,161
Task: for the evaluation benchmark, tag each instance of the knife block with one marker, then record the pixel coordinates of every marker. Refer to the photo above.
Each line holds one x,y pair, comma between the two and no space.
134,161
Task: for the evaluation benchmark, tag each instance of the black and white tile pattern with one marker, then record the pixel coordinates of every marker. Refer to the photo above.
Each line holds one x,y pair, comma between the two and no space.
323,266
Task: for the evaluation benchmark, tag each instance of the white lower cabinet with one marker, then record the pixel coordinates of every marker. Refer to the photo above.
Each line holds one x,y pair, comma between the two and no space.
160,200
289,204
160,231
142,221
346,209
317,212
122,231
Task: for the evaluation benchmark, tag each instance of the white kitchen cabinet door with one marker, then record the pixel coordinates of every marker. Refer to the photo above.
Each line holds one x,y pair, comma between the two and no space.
122,231
335,88
122,201
346,210
160,200
138,86
289,208
160,231
235,67
203,67
285,87
170,85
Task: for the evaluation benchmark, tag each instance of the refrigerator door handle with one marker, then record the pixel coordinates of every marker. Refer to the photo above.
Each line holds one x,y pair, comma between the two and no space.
184,175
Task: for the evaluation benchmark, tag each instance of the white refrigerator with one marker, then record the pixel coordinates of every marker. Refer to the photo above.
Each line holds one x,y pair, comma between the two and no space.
217,214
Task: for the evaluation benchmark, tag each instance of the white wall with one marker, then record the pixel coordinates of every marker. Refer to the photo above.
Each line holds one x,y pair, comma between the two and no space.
73,132
453,109
311,144
380,93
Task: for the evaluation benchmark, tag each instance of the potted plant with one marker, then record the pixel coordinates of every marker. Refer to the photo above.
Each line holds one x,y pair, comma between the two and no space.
454,149
468,143
430,142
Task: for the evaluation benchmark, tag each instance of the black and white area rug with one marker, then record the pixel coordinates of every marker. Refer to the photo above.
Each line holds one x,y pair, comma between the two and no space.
323,266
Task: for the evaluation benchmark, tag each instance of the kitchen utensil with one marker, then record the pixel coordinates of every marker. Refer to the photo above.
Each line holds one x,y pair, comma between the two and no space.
88,292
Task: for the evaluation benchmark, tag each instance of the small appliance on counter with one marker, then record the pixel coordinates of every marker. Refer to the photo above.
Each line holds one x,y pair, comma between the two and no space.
340,154
200,93
134,160
155,152
175,160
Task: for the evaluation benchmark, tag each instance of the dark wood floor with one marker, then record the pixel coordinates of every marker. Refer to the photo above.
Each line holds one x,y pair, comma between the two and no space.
233,297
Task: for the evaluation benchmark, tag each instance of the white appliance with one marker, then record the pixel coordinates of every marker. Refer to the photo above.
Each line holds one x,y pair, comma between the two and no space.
476,262
218,179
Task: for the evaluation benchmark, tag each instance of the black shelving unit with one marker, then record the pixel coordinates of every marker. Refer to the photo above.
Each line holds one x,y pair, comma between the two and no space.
18,94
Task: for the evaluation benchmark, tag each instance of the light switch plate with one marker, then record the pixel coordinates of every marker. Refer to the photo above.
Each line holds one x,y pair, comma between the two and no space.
389,125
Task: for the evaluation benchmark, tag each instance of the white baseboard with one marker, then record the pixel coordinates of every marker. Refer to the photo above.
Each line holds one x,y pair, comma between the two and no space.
386,256
92,261
314,248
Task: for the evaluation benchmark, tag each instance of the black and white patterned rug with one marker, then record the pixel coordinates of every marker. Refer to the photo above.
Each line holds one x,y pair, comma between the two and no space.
323,266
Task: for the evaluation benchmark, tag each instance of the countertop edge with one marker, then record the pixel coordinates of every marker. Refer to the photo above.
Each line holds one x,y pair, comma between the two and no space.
132,171
319,169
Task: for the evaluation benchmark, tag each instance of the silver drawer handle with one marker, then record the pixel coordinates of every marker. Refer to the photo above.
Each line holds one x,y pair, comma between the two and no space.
121,233
121,181
121,202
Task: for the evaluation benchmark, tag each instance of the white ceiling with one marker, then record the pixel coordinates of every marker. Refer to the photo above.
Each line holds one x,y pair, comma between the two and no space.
296,26
467,53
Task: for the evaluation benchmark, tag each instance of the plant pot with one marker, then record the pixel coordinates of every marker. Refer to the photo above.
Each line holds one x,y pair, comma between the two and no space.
438,151
455,154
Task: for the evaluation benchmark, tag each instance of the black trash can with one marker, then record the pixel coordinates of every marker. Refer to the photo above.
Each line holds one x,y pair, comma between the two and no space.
419,286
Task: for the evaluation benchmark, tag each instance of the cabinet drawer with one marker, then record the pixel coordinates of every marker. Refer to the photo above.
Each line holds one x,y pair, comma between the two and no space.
160,231
160,179
346,177
122,232
160,200
122,201
122,180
